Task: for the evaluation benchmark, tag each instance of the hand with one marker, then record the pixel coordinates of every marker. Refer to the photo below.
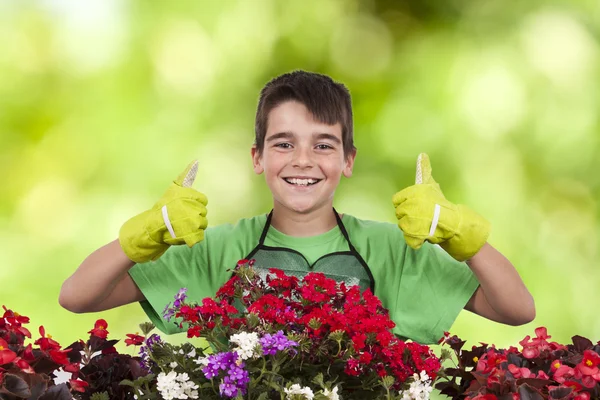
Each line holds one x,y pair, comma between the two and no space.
178,217
424,214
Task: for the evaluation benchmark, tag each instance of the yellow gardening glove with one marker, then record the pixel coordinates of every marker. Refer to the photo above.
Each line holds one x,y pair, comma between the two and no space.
178,217
424,214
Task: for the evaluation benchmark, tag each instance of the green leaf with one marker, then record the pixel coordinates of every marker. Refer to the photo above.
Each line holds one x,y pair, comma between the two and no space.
127,382
319,380
100,396
147,327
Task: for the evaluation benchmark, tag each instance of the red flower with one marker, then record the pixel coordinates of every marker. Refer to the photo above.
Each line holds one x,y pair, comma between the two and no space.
358,341
100,329
589,365
78,385
520,372
563,373
73,367
582,396
6,355
46,342
228,289
28,353
134,339
14,318
59,356
23,365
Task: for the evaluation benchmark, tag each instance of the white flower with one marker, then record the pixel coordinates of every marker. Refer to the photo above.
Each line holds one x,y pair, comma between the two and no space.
247,344
333,395
420,389
296,389
176,386
202,361
173,364
192,353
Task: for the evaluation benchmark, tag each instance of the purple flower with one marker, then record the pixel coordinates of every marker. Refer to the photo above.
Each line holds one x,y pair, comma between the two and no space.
236,378
271,344
180,297
228,389
145,361
168,313
219,361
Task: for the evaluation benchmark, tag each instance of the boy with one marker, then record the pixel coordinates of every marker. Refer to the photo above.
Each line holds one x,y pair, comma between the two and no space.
304,144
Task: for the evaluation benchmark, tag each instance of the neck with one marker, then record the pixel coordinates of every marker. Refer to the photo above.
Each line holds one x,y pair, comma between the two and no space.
302,225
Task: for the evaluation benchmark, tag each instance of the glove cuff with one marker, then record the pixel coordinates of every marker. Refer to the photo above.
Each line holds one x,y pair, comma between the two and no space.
472,233
136,242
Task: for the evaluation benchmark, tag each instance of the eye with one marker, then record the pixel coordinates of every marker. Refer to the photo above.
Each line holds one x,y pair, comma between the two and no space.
324,147
283,145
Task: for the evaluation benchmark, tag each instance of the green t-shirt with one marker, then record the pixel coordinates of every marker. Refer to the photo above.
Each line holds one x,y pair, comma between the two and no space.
424,289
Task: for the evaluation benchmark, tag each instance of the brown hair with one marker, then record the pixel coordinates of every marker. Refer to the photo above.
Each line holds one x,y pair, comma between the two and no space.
328,101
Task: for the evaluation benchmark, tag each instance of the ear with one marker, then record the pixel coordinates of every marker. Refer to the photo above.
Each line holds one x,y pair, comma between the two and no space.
349,164
256,160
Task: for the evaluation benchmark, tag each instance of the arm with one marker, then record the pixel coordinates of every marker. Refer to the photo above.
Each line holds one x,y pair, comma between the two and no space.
502,295
101,282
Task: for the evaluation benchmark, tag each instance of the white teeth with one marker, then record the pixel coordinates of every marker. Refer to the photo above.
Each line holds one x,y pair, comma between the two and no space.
301,182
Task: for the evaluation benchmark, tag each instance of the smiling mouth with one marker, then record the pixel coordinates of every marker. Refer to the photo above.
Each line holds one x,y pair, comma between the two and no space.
302,182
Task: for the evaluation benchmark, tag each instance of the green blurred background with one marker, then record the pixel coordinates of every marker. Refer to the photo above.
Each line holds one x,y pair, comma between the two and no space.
104,102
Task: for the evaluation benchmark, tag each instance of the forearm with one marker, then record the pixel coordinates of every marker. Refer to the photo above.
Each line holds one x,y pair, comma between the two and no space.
502,288
95,279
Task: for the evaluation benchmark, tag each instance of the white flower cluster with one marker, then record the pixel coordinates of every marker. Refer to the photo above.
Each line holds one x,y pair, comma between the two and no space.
176,386
296,389
333,395
420,389
247,344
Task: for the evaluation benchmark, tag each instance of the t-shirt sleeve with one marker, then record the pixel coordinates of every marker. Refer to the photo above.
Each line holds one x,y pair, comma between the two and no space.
160,280
432,290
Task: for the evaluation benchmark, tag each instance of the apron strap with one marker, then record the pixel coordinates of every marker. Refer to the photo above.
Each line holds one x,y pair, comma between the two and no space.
263,235
344,232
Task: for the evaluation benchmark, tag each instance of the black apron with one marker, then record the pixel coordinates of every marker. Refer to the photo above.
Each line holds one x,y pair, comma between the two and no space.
342,266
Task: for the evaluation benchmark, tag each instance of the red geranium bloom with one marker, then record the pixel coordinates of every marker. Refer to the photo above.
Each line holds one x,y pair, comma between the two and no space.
134,339
100,329
78,385
6,355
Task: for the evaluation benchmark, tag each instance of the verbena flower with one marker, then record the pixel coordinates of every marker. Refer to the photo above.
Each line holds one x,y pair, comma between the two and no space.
296,389
271,344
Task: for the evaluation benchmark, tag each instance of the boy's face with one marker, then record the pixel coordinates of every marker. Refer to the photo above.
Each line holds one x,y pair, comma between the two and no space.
303,160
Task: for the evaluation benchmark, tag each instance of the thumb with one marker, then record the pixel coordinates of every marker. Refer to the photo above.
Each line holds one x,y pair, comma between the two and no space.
187,177
424,170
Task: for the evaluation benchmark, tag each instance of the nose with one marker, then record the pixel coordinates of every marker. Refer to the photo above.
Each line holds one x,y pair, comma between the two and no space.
302,157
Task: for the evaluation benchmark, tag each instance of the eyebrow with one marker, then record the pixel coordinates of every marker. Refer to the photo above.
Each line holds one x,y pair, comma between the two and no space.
288,135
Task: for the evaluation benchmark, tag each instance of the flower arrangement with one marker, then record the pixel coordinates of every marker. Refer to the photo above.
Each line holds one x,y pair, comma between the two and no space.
95,367
280,337
541,370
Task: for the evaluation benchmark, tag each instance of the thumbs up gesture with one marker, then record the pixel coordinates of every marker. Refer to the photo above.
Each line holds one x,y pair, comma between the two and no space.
178,217
424,214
